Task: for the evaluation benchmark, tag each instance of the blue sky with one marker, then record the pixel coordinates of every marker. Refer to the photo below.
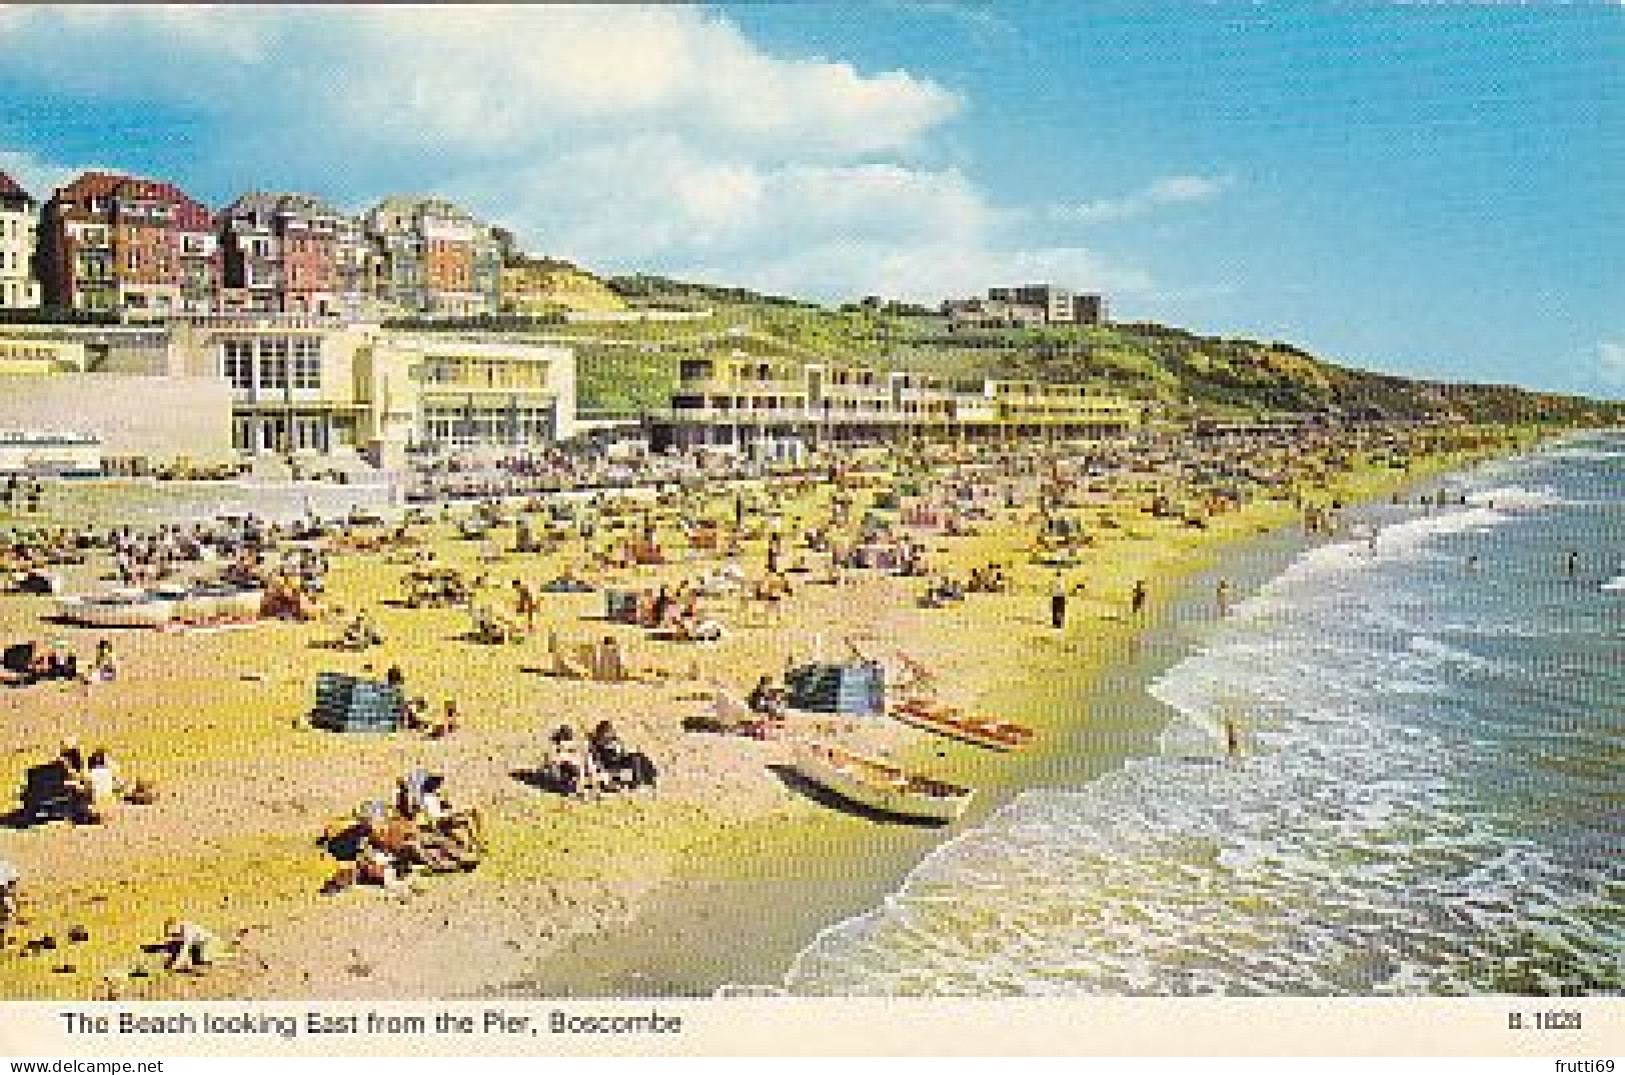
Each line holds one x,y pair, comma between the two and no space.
1433,190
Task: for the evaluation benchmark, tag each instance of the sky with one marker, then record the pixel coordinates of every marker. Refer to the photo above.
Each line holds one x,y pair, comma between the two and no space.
1436,190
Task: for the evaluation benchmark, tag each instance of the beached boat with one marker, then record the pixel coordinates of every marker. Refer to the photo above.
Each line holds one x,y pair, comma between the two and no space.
161,606
957,724
879,785
220,601
121,608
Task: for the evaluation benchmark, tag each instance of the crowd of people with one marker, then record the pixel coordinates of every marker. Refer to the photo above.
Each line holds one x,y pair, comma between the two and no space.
386,844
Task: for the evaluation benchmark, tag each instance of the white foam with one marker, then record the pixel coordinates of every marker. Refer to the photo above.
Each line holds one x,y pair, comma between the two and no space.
1353,850
1432,647
1515,497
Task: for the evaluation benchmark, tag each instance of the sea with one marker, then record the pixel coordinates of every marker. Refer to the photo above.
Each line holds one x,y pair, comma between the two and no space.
1395,768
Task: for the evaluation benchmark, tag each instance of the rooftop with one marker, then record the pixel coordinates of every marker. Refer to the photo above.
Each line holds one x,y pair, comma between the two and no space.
11,191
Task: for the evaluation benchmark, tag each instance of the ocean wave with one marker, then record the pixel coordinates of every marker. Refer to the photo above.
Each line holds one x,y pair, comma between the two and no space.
1237,879
1417,805
1515,497
1434,648
1583,454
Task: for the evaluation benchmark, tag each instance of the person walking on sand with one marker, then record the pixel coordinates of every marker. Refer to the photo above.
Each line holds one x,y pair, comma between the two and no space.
1138,597
1234,742
1057,603
524,602
1221,597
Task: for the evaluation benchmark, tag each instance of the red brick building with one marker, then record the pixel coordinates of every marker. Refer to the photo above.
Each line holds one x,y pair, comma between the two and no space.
291,253
136,247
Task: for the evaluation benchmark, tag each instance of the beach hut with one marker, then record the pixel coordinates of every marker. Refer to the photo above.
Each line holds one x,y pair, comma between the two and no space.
857,687
347,703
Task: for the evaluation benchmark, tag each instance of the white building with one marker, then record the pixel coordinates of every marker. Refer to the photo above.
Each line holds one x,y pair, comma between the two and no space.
19,232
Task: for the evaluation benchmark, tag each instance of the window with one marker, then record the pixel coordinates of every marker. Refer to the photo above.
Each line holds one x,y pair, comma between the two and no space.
237,363
307,362
273,359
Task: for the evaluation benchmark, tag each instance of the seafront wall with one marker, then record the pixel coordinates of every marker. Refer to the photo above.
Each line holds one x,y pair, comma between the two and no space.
160,418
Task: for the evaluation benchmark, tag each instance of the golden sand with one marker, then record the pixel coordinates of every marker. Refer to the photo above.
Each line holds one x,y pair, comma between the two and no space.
215,720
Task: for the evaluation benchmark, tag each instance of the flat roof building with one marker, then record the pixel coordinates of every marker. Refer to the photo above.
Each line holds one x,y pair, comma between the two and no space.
741,402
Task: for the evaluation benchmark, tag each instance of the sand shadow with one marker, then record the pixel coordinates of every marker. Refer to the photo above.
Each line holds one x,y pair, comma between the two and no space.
339,645
821,795
541,780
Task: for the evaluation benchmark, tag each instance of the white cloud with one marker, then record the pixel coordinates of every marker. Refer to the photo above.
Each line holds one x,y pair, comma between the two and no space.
1611,363
816,228
489,81
1169,190
37,176
656,138
981,23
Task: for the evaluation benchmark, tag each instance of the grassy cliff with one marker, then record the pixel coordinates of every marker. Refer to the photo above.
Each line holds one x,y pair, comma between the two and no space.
1176,367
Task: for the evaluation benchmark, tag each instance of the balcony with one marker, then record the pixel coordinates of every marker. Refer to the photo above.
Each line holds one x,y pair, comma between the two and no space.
730,386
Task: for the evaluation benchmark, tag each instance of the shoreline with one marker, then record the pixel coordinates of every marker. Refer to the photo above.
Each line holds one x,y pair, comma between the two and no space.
583,892
714,927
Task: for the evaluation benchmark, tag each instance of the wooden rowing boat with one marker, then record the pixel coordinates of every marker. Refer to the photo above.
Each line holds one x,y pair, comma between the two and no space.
879,785
957,724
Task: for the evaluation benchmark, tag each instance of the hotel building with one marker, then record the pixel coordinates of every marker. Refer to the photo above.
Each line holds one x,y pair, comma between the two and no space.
216,388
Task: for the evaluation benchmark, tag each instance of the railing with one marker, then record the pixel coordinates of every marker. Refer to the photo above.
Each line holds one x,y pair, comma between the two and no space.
726,386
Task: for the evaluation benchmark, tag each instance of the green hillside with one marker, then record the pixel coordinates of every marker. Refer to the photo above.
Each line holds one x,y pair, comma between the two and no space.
1178,368
625,367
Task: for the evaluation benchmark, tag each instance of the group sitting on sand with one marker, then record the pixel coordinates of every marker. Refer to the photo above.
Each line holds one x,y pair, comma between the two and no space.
420,831
600,763
85,788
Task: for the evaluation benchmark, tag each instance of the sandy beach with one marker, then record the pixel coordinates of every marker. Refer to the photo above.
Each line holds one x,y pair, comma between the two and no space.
721,872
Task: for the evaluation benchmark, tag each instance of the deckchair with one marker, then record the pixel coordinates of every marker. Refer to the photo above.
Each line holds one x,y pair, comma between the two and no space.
564,665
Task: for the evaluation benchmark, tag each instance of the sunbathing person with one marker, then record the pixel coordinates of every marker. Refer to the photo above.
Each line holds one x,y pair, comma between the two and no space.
410,846
191,947
692,628
569,763
463,827
361,634
56,663
449,721
100,787
625,768
767,698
